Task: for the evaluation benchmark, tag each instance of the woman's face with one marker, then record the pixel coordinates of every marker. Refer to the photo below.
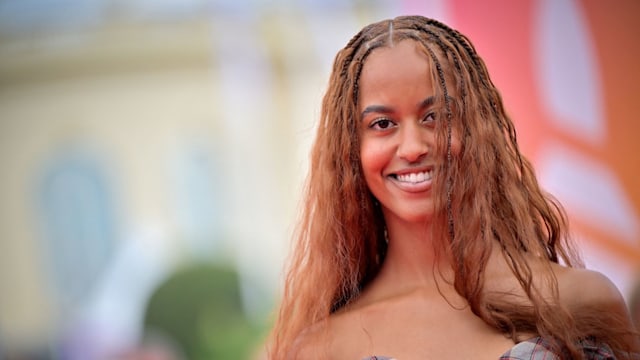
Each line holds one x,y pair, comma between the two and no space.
398,117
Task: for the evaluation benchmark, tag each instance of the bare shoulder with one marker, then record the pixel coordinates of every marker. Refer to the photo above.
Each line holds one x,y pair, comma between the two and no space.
587,288
309,344
329,339
597,299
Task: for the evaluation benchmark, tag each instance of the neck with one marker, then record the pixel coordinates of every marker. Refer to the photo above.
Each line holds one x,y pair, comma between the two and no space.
411,261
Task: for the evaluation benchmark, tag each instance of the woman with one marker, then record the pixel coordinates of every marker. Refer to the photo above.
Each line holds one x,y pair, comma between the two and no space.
424,233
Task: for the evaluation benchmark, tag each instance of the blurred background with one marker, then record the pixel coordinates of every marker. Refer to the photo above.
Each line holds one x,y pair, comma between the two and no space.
152,154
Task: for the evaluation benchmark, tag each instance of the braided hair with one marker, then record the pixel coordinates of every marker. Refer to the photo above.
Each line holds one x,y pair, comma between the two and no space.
340,239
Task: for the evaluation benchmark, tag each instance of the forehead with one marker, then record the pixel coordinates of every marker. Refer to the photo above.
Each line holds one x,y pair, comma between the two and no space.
404,54
408,59
404,64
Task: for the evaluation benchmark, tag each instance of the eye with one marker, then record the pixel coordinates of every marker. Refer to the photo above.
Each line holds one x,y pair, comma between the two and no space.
381,124
430,118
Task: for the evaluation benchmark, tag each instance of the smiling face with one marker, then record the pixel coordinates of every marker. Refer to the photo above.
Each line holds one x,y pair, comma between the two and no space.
397,107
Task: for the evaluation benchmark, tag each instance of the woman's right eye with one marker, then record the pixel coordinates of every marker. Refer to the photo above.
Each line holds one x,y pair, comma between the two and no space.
381,124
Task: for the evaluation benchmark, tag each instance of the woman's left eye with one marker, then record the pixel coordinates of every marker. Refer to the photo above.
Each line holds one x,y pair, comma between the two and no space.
429,118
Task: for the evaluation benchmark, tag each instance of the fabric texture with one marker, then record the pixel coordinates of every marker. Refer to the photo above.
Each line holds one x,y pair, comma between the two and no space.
539,349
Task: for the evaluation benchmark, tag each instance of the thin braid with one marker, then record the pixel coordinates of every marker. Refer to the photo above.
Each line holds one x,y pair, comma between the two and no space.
456,60
360,63
486,82
449,114
480,70
353,45
464,42
446,50
447,102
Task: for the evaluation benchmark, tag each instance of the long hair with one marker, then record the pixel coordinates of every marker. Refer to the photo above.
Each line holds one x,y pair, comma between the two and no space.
340,241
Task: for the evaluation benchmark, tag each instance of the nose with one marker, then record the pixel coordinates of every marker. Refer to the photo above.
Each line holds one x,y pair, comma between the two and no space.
413,143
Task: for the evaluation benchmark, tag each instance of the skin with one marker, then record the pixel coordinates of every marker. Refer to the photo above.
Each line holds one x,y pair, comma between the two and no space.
411,310
398,117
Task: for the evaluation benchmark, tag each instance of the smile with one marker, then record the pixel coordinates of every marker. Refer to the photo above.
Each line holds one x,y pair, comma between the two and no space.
414,178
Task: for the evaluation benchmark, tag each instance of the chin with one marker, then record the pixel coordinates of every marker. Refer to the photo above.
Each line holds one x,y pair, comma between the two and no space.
410,217
418,219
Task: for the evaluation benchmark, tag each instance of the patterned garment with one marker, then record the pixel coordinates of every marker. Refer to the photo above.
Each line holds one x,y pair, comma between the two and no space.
538,349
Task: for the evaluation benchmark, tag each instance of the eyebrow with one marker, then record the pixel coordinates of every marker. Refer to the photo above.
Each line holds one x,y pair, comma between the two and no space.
382,109
376,109
427,102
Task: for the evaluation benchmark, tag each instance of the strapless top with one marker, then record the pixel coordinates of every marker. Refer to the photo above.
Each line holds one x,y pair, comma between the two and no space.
538,349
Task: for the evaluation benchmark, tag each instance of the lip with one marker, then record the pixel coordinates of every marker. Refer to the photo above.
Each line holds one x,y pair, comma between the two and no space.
408,186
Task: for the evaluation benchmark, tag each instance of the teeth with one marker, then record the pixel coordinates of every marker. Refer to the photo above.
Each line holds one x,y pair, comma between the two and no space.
415,177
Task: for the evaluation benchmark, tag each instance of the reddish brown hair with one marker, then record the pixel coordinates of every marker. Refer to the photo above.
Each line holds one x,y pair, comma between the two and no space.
340,242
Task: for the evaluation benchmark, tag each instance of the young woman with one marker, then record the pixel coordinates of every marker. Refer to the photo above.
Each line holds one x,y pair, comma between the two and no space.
424,233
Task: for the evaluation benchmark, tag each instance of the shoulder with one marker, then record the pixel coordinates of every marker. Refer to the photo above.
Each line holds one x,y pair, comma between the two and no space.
586,288
596,303
322,340
310,344
342,335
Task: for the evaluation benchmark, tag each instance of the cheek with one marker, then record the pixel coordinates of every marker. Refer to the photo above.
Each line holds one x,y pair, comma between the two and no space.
373,158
